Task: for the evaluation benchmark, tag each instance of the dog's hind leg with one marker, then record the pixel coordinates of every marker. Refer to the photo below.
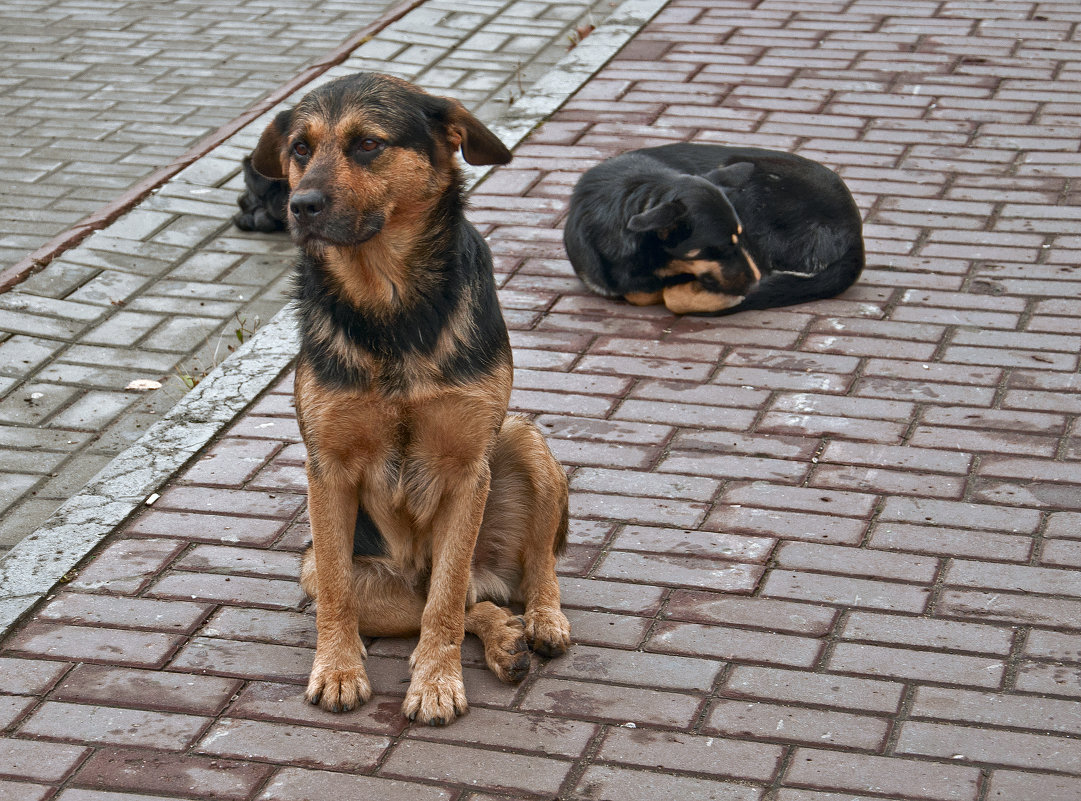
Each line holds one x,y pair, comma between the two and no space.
505,647
528,504
834,258
546,627
788,288
388,607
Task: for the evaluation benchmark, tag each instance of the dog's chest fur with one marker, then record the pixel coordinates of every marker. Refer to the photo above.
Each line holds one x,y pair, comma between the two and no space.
398,450
392,400
444,326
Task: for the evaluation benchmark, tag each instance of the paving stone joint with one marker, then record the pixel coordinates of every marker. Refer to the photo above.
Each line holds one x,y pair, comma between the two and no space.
817,553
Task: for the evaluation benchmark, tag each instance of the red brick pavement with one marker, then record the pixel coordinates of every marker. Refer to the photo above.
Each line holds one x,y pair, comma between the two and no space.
822,553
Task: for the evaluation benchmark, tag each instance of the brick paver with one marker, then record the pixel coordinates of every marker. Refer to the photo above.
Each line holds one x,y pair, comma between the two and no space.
834,558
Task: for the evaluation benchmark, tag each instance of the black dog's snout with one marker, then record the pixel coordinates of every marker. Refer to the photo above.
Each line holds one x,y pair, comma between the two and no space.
307,205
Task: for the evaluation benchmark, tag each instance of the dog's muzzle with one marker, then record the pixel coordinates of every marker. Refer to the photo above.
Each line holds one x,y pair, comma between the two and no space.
313,217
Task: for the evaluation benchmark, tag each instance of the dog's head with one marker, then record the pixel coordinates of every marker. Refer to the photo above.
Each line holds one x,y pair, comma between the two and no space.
365,152
701,232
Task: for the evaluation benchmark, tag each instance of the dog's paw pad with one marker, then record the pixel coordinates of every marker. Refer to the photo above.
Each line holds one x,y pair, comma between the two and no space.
507,655
519,665
338,690
509,659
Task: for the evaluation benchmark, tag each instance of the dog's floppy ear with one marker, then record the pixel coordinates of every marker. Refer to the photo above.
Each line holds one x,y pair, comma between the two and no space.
267,158
479,145
731,176
661,218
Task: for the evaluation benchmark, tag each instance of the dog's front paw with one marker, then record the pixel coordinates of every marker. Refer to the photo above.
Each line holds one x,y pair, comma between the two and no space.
548,631
436,694
338,689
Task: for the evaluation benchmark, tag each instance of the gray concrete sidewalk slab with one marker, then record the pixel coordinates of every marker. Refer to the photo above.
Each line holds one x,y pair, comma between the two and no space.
852,573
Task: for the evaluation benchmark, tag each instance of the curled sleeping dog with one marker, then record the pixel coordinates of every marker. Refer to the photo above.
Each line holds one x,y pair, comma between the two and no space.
709,229
431,507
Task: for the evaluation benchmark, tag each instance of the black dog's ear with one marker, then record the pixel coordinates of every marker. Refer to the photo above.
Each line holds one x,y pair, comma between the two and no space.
268,157
662,218
731,176
479,145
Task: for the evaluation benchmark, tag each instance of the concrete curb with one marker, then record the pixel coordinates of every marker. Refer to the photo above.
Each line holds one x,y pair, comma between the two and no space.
39,562
36,564
570,74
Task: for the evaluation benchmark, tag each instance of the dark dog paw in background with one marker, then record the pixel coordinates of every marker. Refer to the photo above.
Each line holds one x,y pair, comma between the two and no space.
262,205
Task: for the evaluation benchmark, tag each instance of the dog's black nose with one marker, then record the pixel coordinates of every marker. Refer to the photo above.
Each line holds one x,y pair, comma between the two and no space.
306,205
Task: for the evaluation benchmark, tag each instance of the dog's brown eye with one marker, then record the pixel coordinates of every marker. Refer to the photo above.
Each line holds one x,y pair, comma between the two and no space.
365,150
300,149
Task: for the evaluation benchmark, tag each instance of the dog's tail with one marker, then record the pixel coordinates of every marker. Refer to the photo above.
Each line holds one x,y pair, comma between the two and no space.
560,543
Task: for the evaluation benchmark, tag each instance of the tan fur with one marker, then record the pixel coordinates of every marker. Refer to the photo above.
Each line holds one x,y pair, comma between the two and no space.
644,298
692,297
751,263
403,188
522,528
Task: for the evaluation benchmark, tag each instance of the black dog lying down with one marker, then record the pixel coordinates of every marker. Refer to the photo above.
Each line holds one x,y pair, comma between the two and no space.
262,205
708,229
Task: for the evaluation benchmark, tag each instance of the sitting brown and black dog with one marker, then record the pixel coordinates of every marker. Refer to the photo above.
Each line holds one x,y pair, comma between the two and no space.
709,229
431,507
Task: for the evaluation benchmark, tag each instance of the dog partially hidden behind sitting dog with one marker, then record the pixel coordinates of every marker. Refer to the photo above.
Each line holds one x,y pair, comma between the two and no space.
431,507
709,229
262,203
